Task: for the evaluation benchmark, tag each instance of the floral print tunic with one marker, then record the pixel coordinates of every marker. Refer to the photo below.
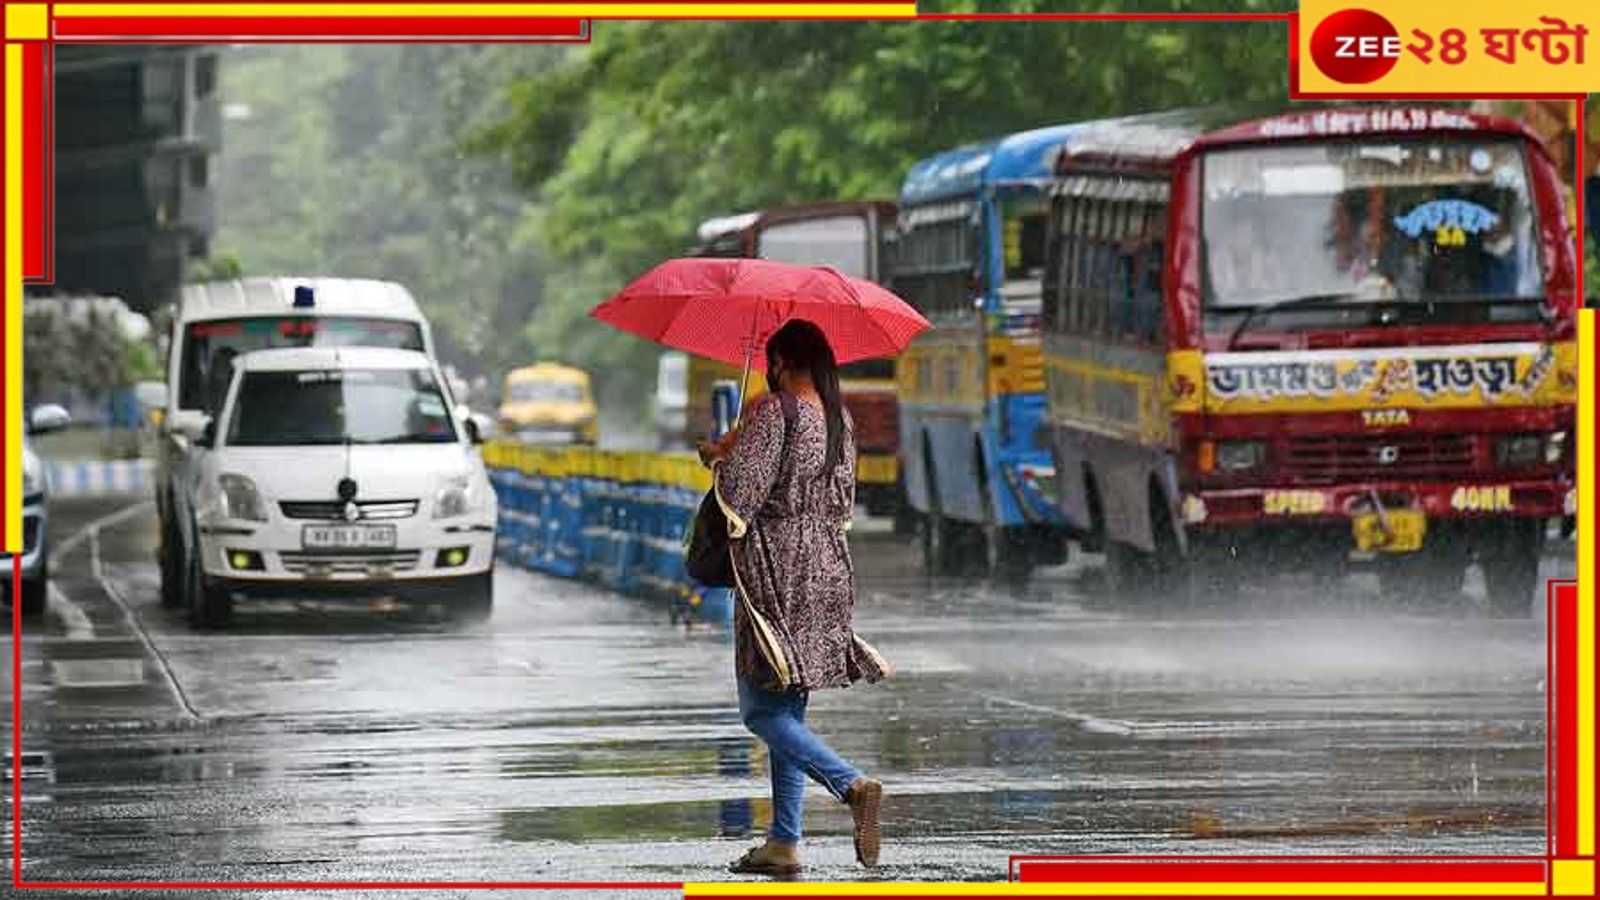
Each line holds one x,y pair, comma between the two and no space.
786,523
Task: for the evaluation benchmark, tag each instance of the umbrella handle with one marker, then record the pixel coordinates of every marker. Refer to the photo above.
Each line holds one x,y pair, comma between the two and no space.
744,383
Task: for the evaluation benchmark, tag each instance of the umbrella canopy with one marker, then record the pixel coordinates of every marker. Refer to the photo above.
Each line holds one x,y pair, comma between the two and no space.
725,309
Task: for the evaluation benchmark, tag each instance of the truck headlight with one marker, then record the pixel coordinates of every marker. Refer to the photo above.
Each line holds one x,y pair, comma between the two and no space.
32,480
240,499
1238,456
1518,450
1555,447
454,499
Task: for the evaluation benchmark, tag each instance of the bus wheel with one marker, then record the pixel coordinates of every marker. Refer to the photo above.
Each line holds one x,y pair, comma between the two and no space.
1171,573
1007,552
905,515
1428,577
940,546
1510,560
1215,567
1129,571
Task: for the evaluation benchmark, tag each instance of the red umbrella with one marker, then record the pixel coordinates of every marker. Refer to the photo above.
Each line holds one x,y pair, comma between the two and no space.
726,309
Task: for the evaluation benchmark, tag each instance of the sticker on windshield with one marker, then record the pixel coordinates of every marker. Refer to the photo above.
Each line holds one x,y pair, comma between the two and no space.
1439,216
430,406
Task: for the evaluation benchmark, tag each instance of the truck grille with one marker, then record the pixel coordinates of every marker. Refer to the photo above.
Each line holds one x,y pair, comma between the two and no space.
334,509
1325,459
302,563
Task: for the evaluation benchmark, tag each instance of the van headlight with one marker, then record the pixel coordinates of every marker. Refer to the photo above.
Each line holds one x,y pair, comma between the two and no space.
456,498
240,499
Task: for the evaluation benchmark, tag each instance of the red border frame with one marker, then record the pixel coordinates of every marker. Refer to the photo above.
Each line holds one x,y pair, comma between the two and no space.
38,267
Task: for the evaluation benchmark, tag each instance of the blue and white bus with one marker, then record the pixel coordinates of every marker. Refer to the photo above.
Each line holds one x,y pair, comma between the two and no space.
968,253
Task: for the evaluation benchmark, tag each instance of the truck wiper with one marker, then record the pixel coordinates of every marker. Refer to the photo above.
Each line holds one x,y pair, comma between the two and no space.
1306,300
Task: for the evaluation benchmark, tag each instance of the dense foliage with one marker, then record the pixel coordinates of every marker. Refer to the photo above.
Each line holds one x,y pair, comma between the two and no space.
346,160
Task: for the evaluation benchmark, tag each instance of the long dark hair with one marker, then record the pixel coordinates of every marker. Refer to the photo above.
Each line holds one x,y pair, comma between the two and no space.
802,345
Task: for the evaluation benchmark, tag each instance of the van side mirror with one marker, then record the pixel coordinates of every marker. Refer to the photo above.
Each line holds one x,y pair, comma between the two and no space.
190,423
474,433
208,435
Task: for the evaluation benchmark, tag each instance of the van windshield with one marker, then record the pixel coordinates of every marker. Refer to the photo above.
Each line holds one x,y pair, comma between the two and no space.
335,406
209,347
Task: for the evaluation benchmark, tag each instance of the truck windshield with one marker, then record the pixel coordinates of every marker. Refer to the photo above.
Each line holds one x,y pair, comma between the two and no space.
209,347
335,406
1401,222
837,241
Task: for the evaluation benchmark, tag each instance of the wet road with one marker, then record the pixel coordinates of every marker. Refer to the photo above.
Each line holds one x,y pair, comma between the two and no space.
579,736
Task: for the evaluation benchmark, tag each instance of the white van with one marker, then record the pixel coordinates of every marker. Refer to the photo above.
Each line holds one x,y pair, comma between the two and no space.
214,323
338,473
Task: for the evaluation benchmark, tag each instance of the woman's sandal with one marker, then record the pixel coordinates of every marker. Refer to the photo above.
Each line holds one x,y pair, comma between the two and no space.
865,799
751,864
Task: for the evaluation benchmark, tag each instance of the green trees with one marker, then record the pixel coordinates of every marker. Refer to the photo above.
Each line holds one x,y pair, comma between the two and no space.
347,160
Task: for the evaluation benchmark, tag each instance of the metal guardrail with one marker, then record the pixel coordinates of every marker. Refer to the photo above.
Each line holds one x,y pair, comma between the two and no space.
97,477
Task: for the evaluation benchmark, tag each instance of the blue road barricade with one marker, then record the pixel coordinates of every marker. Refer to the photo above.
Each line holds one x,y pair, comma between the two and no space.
616,518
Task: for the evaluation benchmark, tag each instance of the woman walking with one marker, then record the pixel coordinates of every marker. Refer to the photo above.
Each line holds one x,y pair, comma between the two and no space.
786,482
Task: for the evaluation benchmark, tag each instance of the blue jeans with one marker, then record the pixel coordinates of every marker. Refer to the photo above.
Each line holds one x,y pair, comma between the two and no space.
793,752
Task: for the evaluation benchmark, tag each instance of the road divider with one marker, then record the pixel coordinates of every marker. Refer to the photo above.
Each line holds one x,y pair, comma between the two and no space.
616,518
98,477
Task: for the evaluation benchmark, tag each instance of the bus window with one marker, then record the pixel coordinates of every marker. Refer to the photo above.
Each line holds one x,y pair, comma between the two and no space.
934,265
1147,298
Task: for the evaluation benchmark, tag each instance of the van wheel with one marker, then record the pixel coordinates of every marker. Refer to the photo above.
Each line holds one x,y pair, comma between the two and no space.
171,567
1510,561
210,607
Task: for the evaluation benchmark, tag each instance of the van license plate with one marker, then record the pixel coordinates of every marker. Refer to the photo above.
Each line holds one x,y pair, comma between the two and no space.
347,537
1405,533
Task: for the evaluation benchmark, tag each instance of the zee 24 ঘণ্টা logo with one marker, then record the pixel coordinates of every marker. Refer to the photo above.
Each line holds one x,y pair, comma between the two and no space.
1359,46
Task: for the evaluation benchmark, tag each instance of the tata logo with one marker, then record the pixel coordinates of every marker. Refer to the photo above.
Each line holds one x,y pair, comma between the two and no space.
1386,455
1385,418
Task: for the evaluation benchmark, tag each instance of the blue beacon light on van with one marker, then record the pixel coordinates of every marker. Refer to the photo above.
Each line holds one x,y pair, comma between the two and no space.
304,297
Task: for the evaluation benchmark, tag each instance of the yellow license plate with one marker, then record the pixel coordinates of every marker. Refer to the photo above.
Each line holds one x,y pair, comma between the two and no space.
1406,529
877,469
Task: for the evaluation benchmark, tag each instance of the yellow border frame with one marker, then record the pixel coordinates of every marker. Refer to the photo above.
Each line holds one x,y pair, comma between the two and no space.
32,21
